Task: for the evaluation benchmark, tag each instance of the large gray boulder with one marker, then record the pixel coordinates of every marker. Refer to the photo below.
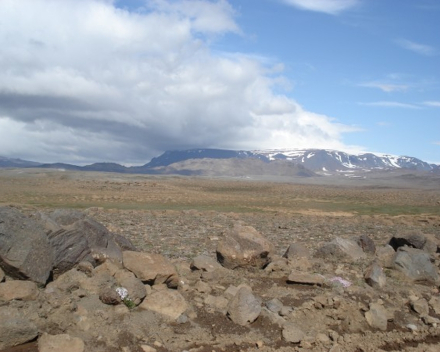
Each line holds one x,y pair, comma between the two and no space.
25,251
415,239
76,238
243,246
416,264
341,249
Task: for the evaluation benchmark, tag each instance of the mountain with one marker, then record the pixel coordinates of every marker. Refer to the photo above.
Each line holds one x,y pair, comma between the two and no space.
234,167
220,162
171,157
317,160
8,162
331,160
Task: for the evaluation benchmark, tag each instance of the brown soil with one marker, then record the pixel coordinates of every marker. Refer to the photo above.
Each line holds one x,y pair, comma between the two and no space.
183,217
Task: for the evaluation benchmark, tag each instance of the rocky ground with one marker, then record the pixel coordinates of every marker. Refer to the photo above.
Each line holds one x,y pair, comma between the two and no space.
339,287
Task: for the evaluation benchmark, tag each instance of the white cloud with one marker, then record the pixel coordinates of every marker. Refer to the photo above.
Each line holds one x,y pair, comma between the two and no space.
84,81
437,143
385,86
332,7
435,104
418,48
392,104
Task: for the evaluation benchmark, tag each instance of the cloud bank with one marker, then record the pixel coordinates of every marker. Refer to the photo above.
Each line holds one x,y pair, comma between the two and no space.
85,81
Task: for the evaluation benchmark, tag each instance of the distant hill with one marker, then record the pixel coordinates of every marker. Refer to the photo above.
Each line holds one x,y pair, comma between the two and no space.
220,162
8,162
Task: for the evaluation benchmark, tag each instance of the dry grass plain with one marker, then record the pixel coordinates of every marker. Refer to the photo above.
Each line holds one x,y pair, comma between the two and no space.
183,216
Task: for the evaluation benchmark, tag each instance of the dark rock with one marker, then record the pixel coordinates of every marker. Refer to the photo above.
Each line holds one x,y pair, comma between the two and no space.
110,296
367,244
416,264
76,237
413,239
25,251
243,246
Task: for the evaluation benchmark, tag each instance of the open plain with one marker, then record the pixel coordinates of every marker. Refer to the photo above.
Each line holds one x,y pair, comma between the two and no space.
182,218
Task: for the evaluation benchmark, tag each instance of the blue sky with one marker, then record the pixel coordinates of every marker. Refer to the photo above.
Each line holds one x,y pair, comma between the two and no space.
101,80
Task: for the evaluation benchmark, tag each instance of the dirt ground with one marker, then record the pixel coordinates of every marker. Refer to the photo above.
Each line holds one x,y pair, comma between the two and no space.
182,217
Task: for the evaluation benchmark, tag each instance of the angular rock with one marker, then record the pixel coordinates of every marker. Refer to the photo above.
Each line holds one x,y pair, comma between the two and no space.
377,317
25,252
151,268
218,302
297,250
367,244
18,290
244,308
413,239
274,318
243,246
292,333
2,275
202,287
62,342
416,264
205,263
136,289
420,306
340,249
298,277
385,255
374,276
434,303
274,305
14,328
76,237
168,303
110,296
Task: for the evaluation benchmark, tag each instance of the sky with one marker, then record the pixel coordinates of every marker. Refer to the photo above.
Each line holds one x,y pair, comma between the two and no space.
85,81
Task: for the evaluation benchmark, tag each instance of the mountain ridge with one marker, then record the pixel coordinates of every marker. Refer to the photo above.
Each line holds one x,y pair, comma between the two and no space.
190,162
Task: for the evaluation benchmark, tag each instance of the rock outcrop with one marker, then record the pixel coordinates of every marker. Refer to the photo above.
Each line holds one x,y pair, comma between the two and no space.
25,251
243,246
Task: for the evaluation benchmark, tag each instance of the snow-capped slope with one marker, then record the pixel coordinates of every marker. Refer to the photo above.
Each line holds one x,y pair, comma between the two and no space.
332,160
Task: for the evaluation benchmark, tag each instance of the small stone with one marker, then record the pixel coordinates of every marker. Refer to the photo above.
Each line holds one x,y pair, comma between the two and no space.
377,317
260,344
205,263
147,348
291,333
420,306
323,338
274,305
110,296
18,290
374,276
298,277
244,308
202,287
